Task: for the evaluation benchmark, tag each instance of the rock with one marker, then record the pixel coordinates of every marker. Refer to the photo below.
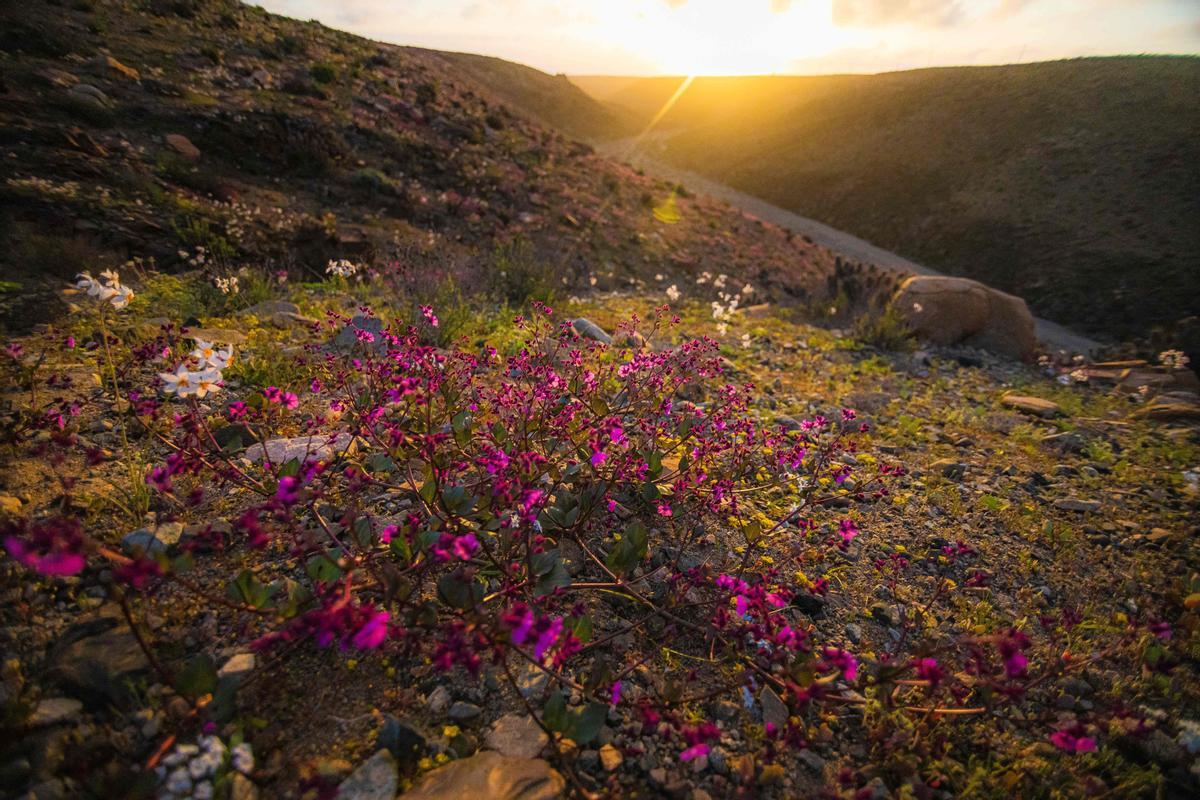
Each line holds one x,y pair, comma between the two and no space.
1067,442
235,437
885,615
1158,536
1171,407
490,776
946,310
375,779
610,757
153,541
775,711
111,65
216,335
53,710
532,681
948,468
266,308
347,338
9,504
518,736
464,712
183,145
1031,405
811,760
99,669
853,633
89,95
406,743
242,788
302,448
439,700
590,330
238,666
1075,504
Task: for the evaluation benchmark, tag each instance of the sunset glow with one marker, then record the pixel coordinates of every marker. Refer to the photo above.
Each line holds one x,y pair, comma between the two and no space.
739,37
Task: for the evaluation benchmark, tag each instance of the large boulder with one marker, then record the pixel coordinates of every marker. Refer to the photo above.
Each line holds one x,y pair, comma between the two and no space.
492,776
945,310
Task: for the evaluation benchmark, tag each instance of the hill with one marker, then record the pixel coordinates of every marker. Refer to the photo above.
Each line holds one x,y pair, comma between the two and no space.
1071,183
396,445
267,140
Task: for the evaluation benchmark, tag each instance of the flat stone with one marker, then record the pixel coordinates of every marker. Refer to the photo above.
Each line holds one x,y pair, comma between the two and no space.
114,66
775,711
1031,405
238,666
347,338
10,504
53,710
1075,504
375,779
590,330
490,776
949,469
407,744
610,757
439,700
518,736
811,760
89,95
268,307
152,541
302,448
183,145
464,712
98,669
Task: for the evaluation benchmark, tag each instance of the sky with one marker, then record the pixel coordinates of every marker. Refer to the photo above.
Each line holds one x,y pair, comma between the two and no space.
740,37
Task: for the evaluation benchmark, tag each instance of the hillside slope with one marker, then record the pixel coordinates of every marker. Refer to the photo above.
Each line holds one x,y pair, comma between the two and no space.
1075,184
281,143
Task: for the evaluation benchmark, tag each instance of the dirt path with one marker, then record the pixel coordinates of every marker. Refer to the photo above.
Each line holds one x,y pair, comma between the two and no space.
1055,336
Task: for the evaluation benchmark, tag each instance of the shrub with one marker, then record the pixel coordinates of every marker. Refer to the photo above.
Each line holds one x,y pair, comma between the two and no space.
886,329
323,72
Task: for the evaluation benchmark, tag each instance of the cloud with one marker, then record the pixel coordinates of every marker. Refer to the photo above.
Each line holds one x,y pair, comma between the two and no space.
881,13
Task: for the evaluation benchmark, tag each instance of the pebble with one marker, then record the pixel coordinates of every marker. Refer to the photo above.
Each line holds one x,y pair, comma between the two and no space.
464,712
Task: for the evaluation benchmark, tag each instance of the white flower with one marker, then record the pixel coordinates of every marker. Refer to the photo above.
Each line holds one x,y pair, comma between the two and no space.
747,289
209,356
227,285
181,382
719,283
659,276
722,329
207,382
673,293
918,308
122,296
242,758
745,340
342,268
1173,359
592,280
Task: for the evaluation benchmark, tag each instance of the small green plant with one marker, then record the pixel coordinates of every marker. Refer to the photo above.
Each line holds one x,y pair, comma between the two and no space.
323,72
885,329
516,275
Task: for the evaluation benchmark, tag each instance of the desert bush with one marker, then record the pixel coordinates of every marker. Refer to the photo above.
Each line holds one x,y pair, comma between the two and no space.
886,329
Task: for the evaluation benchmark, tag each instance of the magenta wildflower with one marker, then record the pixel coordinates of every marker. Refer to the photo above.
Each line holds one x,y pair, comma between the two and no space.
694,752
928,669
373,633
1073,740
52,546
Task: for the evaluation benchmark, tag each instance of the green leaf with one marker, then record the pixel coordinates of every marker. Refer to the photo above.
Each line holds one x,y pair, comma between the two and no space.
586,725
198,677
556,578
290,469
554,713
250,590
323,567
381,463
458,592
630,550
582,628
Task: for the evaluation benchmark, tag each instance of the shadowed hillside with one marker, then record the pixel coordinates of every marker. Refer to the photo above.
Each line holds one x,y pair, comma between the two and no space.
1075,184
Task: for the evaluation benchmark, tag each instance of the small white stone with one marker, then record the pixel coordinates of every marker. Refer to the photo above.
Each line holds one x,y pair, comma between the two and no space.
179,781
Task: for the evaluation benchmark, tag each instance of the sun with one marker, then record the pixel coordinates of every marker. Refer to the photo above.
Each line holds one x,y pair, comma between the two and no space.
724,37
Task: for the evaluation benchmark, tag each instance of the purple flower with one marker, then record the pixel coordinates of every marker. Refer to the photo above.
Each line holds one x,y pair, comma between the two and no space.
1072,740
373,633
694,752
